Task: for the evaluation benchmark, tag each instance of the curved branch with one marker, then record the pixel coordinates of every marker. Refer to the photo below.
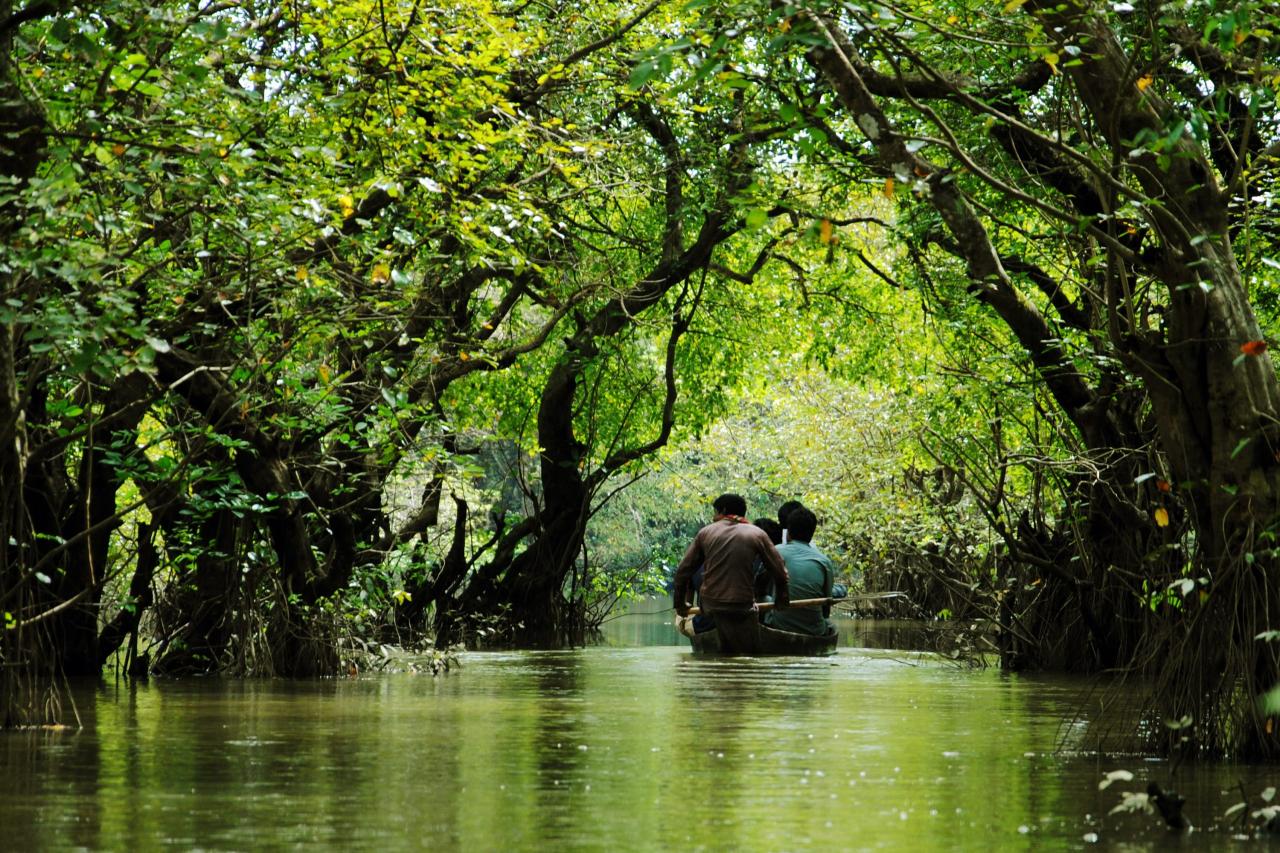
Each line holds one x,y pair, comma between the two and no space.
991,283
679,325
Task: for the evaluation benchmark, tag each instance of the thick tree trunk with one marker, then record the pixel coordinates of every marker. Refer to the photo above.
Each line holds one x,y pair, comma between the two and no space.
1217,417
195,627
531,584
90,523
537,586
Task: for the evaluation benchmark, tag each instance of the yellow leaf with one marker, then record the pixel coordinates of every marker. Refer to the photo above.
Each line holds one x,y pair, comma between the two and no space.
302,274
824,231
888,187
1144,81
1161,516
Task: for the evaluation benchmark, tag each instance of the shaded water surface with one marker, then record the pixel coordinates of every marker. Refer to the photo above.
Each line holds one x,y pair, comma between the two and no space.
611,747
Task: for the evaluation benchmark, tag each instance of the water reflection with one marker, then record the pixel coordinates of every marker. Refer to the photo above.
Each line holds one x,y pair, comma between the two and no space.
560,744
648,622
632,748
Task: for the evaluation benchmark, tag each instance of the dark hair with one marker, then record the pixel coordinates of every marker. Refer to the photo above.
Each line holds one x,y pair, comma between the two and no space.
784,511
771,527
730,504
801,523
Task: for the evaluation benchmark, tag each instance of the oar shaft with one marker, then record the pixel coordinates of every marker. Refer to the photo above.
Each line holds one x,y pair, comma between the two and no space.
769,605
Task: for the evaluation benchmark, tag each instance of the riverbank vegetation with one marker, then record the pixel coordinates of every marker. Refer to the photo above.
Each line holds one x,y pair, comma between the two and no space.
346,322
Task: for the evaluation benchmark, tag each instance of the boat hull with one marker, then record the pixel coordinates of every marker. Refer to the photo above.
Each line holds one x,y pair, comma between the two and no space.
772,642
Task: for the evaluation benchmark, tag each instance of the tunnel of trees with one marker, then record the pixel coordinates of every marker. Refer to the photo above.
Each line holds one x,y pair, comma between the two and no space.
334,322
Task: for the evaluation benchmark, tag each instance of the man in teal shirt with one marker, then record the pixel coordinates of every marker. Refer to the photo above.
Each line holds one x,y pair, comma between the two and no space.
810,575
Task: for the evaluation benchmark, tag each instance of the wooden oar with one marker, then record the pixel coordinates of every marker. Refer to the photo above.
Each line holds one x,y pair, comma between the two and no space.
769,605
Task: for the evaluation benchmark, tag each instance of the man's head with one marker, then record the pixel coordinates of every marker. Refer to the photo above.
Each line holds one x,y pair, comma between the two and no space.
800,524
785,511
771,527
730,504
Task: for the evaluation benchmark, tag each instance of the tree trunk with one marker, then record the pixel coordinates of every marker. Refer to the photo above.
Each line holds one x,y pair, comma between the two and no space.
196,625
24,658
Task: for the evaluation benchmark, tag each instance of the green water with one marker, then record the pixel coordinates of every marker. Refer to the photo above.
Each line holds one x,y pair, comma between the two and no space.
610,747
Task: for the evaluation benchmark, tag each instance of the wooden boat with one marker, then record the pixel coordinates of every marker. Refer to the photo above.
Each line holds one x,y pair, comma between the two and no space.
772,642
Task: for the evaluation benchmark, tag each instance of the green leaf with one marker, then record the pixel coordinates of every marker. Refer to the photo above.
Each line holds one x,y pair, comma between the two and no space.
757,218
641,74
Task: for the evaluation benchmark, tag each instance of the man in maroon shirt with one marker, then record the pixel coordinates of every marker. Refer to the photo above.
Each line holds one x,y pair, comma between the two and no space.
727,549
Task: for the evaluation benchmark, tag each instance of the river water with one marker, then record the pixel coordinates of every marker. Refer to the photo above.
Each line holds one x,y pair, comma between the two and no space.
634,744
